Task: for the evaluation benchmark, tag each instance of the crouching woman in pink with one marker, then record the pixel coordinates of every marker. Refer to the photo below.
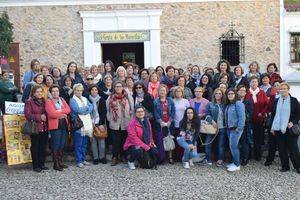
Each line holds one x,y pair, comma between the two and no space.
139,138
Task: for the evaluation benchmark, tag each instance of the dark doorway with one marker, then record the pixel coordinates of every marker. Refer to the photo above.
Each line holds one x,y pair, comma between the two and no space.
121,53
231,51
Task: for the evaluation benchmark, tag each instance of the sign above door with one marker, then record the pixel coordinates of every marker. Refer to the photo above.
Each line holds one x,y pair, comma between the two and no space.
119,37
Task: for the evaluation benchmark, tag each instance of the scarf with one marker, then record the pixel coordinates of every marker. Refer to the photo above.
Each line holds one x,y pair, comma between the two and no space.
196,76
153,87
58,104
113,103
95,114
282,116
87,129
139,98
146,130
254,93
238,80
265,88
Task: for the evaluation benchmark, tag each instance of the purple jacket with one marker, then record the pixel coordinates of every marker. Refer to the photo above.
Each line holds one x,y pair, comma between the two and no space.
33,111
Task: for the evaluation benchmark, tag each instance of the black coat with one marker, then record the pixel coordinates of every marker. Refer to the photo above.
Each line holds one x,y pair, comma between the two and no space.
147,103
102,111
243,82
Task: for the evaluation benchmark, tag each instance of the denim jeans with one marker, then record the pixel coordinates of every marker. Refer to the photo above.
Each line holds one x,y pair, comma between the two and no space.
188,153
245,143
58,139
221,144
80,143
234,137
98,148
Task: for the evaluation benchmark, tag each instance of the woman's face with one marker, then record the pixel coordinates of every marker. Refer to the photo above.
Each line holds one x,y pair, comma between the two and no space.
118,88
178,94
276,86
90,79
238,71
121,73
39,79
144,75
253,68
254,83
38,93
190,114
45,71
108,81
160,71
5,76
55,93
36,67
101,69
218,95
181,82
68,82
195,70
171,73
154,78
94,91
223,67
72,68
107,67
242,92
129,82
129,70
271,69
198,93
176,73
266,80
223,87
49,81
162,92
224,79
95,71
284,90
139,89
78,91
56,73
204,80
231,96
140,113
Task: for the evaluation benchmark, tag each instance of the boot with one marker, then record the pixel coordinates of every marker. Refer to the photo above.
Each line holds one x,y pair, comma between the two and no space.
60,159
171,161
55,161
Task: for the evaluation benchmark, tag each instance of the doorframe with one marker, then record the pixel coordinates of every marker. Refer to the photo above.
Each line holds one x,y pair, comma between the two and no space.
121,20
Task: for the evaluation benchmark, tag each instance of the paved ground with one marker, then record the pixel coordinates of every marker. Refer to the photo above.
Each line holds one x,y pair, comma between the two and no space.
168,182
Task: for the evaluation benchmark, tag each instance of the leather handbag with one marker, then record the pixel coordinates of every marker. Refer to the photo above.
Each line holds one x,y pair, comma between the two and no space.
100,134
208,128
76,123
30,128
295,130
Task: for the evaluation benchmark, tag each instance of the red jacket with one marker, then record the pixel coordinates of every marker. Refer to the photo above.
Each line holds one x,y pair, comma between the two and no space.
54,114
275,77
33,111
135,135
261,106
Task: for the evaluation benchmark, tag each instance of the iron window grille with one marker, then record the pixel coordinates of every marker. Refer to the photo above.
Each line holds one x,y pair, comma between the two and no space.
295,48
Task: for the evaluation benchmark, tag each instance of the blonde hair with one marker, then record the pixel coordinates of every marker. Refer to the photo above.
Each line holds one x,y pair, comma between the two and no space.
254,63
176,89
214,96
199,88
121,68
78,85
285,84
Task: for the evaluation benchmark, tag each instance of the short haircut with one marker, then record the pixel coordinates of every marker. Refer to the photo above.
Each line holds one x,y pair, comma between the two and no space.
78,85
176,89
285,84
53,86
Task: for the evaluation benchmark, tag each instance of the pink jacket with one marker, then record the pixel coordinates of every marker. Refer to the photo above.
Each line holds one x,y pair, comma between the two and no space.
153,89
204,102
54,114
135,135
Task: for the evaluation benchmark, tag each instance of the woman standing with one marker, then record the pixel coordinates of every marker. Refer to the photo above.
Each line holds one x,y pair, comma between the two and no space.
196,75
215,114
260,109
99,120
57,112
153,85
39,79
129,85
120,74
109,69
206,83
164,114
188,136
95,72
49,82
235,122
66,90
272,70
223,67
56,74
160,72
8,91
107,88
199,103
253,71
169,80
29,75
81,108
286,113
35,111
144,77
119,112
239,79
140,138
181,82
72,71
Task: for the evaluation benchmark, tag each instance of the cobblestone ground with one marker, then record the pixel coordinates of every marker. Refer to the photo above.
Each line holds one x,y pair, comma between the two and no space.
254,181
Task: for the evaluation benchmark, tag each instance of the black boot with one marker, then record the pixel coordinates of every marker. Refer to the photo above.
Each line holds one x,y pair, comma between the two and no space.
60,159
56,162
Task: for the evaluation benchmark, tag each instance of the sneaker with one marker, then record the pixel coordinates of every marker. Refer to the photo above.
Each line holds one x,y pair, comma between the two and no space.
220,163
191,163
230,165
205,162
86,163
131,165
234,168
38,170
96,161
80,165
186,165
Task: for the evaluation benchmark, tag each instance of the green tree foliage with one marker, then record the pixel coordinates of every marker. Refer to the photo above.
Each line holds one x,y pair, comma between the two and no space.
6,34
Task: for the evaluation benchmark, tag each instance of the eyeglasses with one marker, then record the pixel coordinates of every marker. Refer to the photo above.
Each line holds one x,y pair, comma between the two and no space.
89,79
139,87
219,93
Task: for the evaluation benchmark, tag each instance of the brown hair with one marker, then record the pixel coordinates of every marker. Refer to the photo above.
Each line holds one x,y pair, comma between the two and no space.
275,66
254,63
223,61
33,62
213,99
242,69
53,86
34,88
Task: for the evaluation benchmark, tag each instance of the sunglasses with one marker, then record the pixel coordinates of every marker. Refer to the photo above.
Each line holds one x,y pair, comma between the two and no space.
139,87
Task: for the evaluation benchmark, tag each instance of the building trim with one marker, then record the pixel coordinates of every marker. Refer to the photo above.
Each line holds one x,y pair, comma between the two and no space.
18,3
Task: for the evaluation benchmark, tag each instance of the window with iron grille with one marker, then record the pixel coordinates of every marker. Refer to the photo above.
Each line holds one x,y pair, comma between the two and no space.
295,48
232,46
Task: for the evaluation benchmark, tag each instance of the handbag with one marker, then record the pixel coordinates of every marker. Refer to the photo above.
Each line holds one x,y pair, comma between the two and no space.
76,123
99,134
208,128
295,130
169,143
30,128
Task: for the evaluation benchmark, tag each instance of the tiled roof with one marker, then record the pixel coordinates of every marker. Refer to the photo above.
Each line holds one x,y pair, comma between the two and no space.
292,7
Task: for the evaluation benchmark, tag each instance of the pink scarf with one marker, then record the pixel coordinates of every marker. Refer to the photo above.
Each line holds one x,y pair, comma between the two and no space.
153,89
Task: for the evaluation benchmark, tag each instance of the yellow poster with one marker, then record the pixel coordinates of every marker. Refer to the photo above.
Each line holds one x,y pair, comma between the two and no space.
17,145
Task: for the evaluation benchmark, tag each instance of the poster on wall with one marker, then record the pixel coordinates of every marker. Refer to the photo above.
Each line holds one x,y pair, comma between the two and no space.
17,144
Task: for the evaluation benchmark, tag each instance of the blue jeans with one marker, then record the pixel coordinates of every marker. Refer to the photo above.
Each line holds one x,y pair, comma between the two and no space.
234,137
58,139
80,146
188,153
221,144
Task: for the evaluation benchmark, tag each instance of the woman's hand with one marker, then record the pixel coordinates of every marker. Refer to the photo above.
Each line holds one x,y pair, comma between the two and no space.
290,124
163,124
152,145
43,117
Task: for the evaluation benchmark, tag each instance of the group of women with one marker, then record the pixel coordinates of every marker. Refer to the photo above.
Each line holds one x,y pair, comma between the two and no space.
141,108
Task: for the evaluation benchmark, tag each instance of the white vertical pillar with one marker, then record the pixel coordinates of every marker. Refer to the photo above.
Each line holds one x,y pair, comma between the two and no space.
155,48
88,46
147,54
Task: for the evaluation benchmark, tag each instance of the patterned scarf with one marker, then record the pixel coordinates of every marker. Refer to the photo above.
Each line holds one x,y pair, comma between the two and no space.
113,103
146,130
